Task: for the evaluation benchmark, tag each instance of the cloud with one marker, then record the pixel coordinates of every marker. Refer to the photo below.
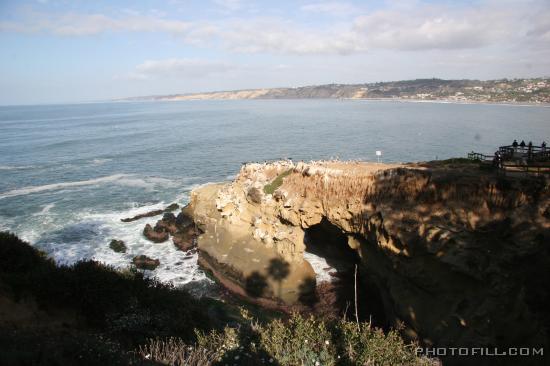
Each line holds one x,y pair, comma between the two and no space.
330,7
231,5
184,68
73,24
273,35
404,26
433,27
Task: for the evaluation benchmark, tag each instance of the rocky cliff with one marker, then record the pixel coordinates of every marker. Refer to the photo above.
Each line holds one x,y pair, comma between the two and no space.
457,254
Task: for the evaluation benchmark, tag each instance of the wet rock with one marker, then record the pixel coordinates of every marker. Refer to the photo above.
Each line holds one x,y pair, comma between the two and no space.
145,262
167,224
170,208
118,246
184,220
156,236
140,216
185,239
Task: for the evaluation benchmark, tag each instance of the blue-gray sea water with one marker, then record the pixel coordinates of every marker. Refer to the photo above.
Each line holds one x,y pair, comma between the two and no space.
69,173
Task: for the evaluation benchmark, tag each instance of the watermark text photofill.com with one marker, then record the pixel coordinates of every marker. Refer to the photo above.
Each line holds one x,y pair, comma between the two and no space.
480,351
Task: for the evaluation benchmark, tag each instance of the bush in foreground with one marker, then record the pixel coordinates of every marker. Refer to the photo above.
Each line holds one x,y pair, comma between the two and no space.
299,340
90,314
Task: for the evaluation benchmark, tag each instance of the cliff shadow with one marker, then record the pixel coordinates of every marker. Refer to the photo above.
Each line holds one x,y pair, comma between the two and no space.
256,284
335,262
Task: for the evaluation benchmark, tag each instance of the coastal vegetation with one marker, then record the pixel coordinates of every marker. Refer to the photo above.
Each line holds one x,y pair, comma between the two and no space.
276,183
534,90
90,314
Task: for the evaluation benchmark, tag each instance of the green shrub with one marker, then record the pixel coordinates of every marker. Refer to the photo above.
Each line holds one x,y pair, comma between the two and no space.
122,311
299,341
370,346
276,183
307,340
124,303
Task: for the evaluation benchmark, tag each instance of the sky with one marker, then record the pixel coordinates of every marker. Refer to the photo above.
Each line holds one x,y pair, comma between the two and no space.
57,51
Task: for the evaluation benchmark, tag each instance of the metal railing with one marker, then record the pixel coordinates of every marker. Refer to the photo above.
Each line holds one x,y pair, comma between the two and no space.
518,158
529,153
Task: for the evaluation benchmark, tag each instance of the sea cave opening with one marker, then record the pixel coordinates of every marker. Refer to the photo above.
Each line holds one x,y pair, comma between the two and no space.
334,263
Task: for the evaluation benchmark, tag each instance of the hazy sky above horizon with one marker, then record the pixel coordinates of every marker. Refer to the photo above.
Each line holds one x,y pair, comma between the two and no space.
56,51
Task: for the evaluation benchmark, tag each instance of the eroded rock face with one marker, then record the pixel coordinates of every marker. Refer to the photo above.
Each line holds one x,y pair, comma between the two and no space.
459,255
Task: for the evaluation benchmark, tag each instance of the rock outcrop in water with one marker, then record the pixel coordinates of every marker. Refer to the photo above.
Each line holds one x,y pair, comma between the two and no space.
145,262
457,254
118,246
156,234
180,227
170,208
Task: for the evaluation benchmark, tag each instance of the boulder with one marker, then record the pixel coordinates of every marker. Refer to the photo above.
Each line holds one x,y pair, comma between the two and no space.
144,262
118,246
156,235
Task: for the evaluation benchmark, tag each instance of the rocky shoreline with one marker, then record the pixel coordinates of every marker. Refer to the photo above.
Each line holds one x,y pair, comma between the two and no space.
181,228
452,252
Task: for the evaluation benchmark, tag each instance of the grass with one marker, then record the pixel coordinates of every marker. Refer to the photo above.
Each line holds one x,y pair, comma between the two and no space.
276,183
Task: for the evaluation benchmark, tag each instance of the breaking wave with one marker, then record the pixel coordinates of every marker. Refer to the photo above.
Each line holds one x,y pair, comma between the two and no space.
119,179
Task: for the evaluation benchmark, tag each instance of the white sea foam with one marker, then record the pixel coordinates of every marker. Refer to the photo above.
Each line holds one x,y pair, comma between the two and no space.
45,210
321,267
87,234
6,223
15,167
100,161
119,179
56,186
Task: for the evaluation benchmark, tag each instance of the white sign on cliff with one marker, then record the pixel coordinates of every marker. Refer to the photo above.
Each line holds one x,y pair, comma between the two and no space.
378,154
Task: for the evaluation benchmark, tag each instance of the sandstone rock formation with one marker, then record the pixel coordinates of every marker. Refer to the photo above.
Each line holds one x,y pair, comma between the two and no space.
459,255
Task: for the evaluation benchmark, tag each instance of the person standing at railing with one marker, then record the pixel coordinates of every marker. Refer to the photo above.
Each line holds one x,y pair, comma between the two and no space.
522,146
543,146
515,145
530,151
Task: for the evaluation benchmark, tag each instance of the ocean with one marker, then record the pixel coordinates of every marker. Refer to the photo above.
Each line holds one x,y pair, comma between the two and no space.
69,173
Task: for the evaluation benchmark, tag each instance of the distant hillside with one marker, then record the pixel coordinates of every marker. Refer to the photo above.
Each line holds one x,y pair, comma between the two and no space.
503,90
